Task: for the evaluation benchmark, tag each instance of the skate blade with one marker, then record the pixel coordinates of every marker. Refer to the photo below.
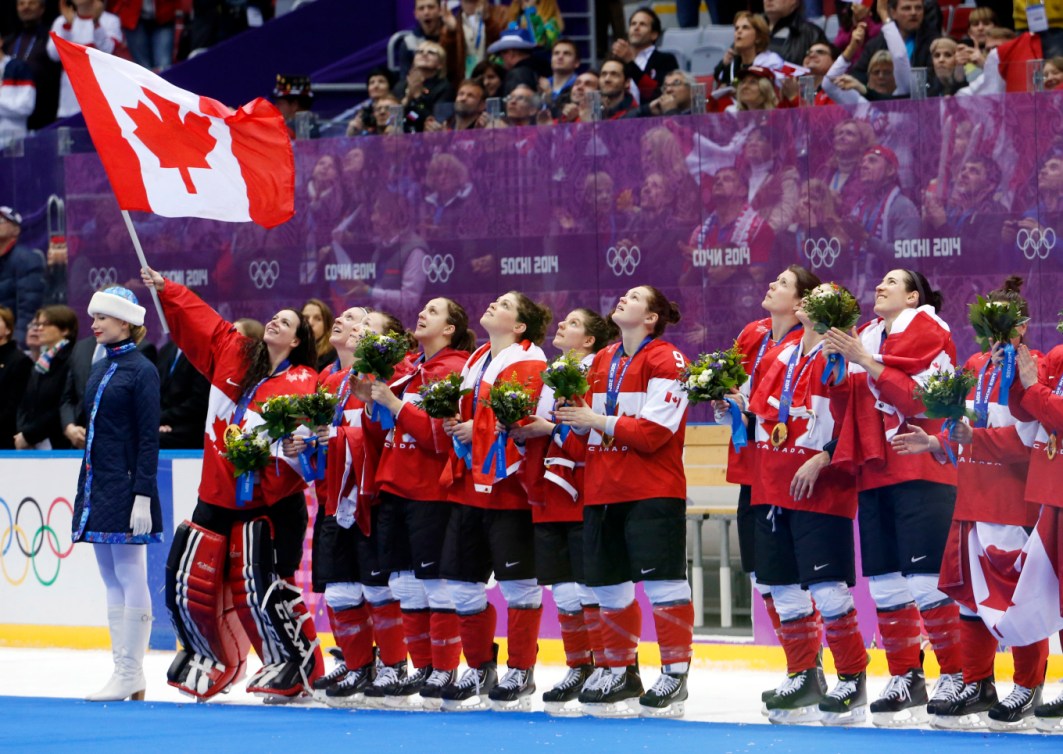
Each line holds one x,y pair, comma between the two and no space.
971,721
411,702
344,702
795,716
1049,724
673,710
281,700
431,703
626,708
905,718
523,704
1026,723
472,704
764,709
571,708
855,716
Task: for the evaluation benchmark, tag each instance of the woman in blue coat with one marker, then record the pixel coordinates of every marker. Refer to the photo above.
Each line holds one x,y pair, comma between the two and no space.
117,502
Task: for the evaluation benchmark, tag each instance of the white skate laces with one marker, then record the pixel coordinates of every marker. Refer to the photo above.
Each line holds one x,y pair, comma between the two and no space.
665,685
899,687
792,684
844,689
1019,696
948,687
513,679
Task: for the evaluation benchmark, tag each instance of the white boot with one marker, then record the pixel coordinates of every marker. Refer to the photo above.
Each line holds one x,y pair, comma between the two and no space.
129,682
115,620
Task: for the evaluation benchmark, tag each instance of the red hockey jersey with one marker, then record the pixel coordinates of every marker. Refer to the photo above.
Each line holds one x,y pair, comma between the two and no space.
641,457
1044,484
346,454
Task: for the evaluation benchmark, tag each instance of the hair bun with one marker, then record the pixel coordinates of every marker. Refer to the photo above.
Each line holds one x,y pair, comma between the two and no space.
1013,283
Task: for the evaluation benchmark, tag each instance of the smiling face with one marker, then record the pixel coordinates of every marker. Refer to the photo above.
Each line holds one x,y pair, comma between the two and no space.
432,321
892,295
109,330
501,317
345,324
572,334
281,330
818,60
633,310
1053,76
782,297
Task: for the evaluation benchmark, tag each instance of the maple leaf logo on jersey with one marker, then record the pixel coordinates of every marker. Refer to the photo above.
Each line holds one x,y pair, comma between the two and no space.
180,144
298,376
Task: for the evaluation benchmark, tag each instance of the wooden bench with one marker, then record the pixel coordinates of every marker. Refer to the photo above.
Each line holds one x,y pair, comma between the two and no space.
709,496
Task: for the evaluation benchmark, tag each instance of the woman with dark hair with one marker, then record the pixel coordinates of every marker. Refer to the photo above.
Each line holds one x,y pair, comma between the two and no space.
804,537
38,424
490,528
634,516
758,342
990,512
243,374
15,367
558,514
117,503
378,85
318,315
492,75
412,515
905,501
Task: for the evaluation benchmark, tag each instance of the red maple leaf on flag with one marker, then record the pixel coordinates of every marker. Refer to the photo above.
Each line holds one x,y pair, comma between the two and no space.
180,144
1001,576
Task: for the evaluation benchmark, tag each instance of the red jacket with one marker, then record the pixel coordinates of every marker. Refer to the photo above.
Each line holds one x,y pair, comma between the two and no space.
1044,484
216,349
349,432
128,11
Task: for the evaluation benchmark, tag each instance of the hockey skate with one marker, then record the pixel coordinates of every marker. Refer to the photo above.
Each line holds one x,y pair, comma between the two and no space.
967,710
408,694
1048,717
613,694
666,698
388,682
797,700
431,694
350,692
280,683
514,692
561,700
846,703
903,702
1015,711
471,691
947,688
769,693
324,682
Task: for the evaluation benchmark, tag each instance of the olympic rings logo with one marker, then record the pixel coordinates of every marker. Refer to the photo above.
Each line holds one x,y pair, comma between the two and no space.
623,260
264,274
102,277
438,267
32,546
1036,243
822,252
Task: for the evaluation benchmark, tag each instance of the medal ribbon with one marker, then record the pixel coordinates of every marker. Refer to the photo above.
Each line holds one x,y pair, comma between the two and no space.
245,483
790,381
612,391
981,400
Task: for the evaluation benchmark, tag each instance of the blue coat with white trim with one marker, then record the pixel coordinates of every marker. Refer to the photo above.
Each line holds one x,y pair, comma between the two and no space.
125,451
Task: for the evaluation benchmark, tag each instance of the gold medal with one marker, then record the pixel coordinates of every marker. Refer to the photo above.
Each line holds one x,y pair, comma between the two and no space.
607,441
1052,447
778,434
232,433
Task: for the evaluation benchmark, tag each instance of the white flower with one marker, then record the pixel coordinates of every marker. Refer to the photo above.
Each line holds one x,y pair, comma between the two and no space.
559,364
705,377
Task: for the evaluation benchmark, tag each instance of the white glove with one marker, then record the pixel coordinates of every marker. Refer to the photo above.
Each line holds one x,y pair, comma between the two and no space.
140,521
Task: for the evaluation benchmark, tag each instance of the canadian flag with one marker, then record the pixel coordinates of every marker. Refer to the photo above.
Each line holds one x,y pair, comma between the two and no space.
177,154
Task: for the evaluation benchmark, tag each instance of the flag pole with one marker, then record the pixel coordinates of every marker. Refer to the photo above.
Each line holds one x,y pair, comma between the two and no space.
144,263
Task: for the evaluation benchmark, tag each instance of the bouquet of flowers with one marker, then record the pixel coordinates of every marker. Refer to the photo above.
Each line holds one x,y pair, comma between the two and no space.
827,309
712,377
316,409
944,395
511,402
376,356
442,400
280,414
568,378
994,321
248,452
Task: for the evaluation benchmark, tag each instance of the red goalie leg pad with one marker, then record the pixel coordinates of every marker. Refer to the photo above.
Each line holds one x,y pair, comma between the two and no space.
417,626
446,640
592,618
388,632
523,637
846,644
478,636
943,627
800,640
675,631
979,649
900,638
620,635
353,632
574,638
1031,662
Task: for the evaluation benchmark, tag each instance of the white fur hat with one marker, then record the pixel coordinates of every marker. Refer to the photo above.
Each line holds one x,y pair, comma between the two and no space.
118,302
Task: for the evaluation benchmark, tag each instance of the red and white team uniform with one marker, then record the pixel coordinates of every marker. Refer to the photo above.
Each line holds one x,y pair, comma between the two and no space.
987,534
104,34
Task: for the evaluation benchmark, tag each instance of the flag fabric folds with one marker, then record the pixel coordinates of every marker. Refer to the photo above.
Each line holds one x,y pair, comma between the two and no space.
177,154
